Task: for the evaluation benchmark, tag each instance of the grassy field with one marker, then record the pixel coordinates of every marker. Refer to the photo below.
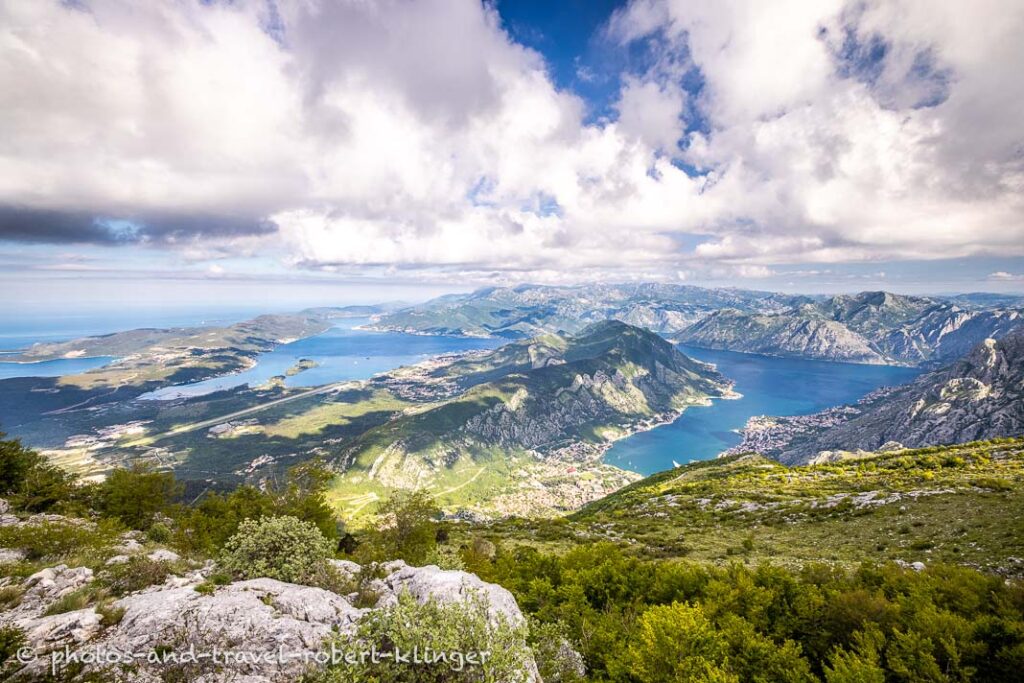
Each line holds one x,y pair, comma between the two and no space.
959,504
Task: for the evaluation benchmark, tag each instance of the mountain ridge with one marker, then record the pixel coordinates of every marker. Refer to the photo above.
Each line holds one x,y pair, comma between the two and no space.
978,396
591,388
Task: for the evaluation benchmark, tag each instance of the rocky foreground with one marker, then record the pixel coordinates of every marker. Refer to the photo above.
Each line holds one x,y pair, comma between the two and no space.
186,628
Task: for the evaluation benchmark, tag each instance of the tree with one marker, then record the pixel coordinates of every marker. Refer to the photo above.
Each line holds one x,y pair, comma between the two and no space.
304,496
135,495
862,664
678,643
406,529
32,482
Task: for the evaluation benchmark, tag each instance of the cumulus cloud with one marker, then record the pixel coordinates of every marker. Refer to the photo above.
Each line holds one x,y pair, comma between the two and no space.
652,112
853,131
343,134
1003,276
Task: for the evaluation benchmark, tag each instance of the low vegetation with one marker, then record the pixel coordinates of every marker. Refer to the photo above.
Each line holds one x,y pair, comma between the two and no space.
734,570
456,643
282,548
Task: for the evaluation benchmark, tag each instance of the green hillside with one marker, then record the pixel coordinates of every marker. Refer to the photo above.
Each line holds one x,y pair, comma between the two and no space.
959,504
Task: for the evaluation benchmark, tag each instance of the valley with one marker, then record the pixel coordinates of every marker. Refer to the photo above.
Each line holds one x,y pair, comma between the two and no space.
490,423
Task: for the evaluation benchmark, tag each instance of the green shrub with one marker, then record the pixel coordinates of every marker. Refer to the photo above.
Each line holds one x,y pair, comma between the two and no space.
207,525
557,660
678,642
109,614
57,539
12,639
136,574
32,483
283,548
458,630
445,558
159,533
136,495
406,529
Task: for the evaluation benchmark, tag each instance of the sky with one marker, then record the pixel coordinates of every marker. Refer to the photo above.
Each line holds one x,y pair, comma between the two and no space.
280,152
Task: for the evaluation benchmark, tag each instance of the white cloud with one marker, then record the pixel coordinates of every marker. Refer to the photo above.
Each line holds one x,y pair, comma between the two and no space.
1003,276
421,136
651,112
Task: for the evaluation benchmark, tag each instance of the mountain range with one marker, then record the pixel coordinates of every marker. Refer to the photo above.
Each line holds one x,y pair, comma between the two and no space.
529,310
869,327
979,396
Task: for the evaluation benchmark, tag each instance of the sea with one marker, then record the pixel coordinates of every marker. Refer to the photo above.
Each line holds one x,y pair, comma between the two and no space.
769,385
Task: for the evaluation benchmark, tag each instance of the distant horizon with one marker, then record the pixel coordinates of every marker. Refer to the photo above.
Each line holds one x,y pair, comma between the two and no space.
238,309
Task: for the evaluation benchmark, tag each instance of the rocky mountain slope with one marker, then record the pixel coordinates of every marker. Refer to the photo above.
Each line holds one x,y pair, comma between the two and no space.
980,396
529,310
529,409
780,335
870,327
234,632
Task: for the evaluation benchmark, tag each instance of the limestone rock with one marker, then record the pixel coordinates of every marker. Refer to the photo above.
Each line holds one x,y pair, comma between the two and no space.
163,555
449,586
252,618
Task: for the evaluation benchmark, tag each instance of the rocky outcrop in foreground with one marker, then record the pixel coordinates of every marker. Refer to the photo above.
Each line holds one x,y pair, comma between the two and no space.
275,629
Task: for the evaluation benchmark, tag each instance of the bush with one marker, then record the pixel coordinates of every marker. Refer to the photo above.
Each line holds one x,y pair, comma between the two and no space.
283,548
109,614
136,574
445,558
207,525
459,631
11,639
406,529
677,642
32,483
159,533
136,495
557,660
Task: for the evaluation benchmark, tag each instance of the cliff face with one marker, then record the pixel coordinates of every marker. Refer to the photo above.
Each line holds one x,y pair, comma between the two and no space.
781,335
980,396
872,327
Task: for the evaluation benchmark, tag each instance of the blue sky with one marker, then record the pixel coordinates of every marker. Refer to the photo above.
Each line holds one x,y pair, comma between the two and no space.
275,152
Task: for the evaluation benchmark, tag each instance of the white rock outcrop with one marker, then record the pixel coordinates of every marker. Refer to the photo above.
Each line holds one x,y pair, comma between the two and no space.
276,629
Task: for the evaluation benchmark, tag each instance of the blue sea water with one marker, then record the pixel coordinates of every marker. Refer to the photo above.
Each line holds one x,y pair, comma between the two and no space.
342,353
770,386
51,368
19,331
